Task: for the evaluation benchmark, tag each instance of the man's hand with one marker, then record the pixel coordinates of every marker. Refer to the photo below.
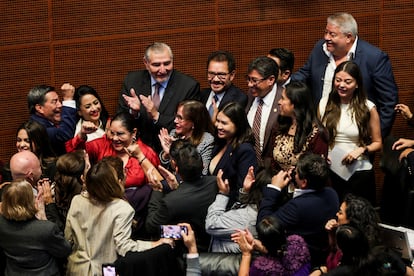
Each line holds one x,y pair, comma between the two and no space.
132,101
403,143
68,91
404,110
149,106
281,179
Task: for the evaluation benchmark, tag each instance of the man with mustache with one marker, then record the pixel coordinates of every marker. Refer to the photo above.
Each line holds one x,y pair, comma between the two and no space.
341,43
59,118
152,95
221,70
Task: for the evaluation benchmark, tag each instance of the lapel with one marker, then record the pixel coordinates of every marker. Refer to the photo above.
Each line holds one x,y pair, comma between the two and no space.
274,112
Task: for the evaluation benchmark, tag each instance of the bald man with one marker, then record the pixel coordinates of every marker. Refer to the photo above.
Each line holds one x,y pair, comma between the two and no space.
26,165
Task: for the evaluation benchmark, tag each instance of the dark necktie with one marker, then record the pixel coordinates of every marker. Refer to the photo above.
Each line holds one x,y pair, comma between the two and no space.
156,98
256,129
211,109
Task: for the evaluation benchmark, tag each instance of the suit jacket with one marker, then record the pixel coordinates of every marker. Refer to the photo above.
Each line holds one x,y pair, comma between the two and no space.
305,215
189,203
271,121
180,87
232,94
59,135
32,246
378,78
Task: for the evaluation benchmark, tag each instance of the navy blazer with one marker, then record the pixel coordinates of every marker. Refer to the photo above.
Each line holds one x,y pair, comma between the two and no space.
305,215
378,78
59,135
232,94
180,87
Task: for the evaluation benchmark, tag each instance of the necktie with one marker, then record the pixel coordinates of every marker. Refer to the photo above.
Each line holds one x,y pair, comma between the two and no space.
211,109
256,129
156,98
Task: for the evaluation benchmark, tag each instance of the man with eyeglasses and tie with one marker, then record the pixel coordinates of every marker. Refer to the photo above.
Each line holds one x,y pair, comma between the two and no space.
221,69
152,95
262,107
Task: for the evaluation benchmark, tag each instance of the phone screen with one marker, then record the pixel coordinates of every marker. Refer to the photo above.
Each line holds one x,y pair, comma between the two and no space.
108,270
172,231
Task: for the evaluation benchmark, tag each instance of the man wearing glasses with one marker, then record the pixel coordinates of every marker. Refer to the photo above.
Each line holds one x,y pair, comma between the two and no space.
221,69
262,107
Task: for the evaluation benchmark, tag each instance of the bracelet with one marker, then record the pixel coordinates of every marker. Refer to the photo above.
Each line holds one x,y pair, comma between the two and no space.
142,160
242,191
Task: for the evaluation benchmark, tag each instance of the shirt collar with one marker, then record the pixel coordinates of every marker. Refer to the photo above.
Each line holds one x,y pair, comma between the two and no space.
299,192
350,54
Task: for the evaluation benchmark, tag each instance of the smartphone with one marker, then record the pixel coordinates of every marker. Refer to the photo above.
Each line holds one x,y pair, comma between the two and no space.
108,270
172,231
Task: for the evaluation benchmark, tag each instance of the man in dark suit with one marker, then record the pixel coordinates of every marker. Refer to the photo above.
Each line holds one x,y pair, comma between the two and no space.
190,201
58,118
221,69
285,59
152,95
341,43
262,74
313,204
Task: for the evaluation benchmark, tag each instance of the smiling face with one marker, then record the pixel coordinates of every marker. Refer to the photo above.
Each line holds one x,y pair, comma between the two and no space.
90,108
218,76
183,127
345,86
286,108
159,65
23,141
120,136
52,108
341,214
337,42
259,86
226,129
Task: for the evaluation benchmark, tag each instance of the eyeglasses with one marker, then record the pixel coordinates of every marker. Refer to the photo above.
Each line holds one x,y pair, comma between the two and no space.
253,80
221,75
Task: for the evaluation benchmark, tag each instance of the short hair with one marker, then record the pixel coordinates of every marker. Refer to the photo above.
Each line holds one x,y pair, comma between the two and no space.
223,56
18,201
197,113
265,66
102,183
272,235
314,169
117,164
37,95
286,57
68,178
89,90
188,160
157,47
345,21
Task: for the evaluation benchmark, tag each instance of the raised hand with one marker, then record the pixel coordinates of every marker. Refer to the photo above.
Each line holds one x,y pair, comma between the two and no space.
223,185
68,91
249,180
132,101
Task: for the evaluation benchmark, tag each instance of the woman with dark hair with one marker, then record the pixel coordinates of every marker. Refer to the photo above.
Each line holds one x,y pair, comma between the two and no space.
31,246
234,151
354,131
99,223
120,135
33,137
91,113
299,128
220,224
192,123
280,255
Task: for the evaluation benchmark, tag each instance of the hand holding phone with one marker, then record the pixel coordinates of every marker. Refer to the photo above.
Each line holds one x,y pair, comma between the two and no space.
173,231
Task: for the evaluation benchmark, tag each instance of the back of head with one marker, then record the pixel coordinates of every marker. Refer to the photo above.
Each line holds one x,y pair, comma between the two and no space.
223,56
102,183
37,95
353,245
345,21
285,56
117,164
25,165
18,201
314,169
68,178
187,159
272,235
265,66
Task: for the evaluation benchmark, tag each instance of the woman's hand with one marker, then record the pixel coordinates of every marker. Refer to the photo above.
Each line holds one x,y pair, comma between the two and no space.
134,150
153,180
166,141
403,143
249,180
404,110
244,240
353,155
223,185
47,192
169,177
331,225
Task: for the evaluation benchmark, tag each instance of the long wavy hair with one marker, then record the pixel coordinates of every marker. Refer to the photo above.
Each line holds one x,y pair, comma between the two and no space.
360,112
299,95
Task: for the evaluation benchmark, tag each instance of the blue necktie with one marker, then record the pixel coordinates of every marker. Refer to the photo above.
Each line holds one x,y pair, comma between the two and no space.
211,109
